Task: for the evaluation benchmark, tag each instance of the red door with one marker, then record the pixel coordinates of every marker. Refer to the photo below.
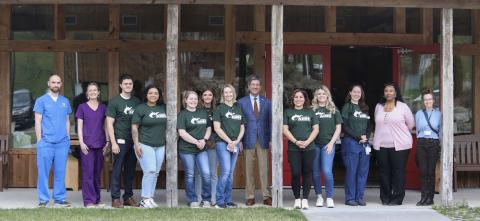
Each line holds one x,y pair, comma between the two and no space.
414,69
305,66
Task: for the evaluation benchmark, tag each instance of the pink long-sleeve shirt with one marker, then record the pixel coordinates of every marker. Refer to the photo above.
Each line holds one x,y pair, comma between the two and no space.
398,123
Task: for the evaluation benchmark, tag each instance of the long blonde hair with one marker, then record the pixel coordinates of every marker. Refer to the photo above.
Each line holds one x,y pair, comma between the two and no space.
222,100
330,104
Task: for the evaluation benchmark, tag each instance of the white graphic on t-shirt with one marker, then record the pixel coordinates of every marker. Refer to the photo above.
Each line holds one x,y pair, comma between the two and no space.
128,110
360,114
64,105
196,120
157,115
299,117
233,116
323,115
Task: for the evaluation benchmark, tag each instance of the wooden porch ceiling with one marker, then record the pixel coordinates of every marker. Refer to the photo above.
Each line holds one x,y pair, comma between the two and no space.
461,4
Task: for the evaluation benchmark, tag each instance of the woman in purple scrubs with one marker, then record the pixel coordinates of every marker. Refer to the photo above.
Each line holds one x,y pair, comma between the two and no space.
92,135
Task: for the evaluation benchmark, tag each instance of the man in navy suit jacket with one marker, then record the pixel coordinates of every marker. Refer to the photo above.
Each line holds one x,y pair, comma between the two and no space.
256,141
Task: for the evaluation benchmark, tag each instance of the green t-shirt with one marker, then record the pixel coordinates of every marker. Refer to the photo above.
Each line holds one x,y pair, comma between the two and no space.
300,123
194,123
122,110
327,122
152,123
230,118
354,120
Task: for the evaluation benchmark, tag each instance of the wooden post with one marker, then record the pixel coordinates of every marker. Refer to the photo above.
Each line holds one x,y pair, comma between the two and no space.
277,105
400,21
59,34
172,80
113,56
476,73
447,104
331,19
230,43
5,75
427,25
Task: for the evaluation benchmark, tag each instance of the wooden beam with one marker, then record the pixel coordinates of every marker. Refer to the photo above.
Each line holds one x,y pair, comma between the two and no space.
427,25
466,49
371,39
277,105
59,21
447,104
476,73
113,73
400,21
331,19
259,48
59,59
230,43
114,21
172,93
5,75
464,4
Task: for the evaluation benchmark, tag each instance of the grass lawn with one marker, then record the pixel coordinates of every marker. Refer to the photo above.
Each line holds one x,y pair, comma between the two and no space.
75,214
460,212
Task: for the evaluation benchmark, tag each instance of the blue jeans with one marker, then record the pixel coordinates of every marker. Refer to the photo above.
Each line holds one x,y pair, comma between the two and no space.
323,163
48,154
151,163
190,162
356,164
227,162
213,165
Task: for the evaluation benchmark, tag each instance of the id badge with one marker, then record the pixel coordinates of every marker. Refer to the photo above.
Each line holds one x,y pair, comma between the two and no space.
120,141
427,133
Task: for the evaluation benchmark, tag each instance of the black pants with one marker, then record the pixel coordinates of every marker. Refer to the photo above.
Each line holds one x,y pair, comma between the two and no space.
301,165
392,166
427,155
126,159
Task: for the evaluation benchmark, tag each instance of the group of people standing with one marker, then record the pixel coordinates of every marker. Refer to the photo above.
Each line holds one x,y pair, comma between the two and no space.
211,136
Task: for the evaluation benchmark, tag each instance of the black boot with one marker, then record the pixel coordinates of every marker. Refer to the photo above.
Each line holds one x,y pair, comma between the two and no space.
429,201
422,201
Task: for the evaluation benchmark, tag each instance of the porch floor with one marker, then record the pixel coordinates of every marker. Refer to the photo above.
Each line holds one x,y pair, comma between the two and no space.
27,198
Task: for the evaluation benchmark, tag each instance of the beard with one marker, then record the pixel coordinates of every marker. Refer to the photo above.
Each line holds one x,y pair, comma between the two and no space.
55,89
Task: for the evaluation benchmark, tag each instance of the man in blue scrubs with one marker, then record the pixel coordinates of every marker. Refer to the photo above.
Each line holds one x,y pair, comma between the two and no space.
52,128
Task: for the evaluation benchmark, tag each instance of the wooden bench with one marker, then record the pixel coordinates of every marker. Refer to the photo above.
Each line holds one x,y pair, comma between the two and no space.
466,155
3,162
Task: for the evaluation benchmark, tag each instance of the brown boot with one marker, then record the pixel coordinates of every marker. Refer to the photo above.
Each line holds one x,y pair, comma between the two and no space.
130,202
117,203
267,201
250,202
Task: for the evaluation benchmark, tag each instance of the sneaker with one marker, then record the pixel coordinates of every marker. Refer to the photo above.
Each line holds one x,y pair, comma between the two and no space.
145,203
206,204
297,204
304,204
220,206
231,205
319,201
351,203
42,204
90,205
100,205
62,204
330,203
153,203
361,203
194,205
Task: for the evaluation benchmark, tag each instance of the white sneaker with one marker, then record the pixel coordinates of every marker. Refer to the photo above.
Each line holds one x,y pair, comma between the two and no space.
304,204
330,203
145,203
194,205
297,204
153,203
319,201
206,204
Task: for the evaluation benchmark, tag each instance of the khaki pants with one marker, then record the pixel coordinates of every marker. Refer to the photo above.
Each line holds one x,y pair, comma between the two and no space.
261,155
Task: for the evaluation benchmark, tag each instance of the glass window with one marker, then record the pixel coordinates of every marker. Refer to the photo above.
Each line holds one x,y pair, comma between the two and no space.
244,66
25,67
413,20
144,22
462,26
199,71
463,93
86,22
418,72
32,22
365,20
202,22
146,69
245,17
304,19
